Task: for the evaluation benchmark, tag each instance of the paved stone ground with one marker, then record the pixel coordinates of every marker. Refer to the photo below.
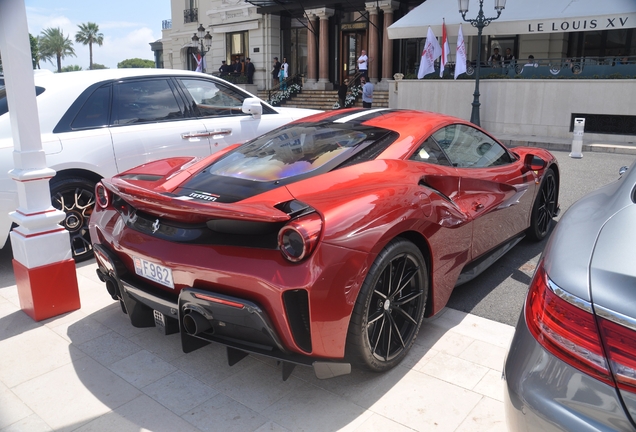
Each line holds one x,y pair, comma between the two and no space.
90,370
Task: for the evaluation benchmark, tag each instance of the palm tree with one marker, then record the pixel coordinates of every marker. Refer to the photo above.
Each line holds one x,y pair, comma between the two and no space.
53,44
88,34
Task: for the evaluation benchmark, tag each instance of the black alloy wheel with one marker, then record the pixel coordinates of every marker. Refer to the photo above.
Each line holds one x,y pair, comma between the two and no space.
76,198
390,308
544,207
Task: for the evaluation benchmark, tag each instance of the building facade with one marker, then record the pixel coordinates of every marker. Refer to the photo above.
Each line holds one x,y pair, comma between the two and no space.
321,40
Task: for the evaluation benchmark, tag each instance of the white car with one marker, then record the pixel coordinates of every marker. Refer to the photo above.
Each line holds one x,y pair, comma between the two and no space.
98,123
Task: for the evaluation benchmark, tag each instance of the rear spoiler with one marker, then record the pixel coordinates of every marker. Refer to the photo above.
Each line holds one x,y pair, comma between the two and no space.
188,210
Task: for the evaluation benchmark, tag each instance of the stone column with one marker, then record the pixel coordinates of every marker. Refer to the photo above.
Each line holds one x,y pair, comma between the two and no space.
323,77
387,44
312,61
373,50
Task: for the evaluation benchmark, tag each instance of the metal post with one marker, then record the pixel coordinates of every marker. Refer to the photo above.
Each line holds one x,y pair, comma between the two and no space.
480,22
474,114
42,263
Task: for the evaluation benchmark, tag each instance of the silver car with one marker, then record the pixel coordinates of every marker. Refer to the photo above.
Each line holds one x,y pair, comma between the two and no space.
572,362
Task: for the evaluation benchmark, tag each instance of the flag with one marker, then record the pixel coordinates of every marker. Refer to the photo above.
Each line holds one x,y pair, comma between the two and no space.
431,51
445,50
460,56
197,59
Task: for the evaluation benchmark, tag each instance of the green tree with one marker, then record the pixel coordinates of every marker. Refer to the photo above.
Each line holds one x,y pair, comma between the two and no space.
99,66
89,34
54,45
71,68
35,51
135,63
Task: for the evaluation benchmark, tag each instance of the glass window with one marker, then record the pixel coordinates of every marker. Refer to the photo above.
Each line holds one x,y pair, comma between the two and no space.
430,152
4,106
292,151
94,112
145,101
236,46
213,99
467,147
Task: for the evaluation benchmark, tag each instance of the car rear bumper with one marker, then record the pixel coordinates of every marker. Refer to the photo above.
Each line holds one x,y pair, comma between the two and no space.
543,393
202,316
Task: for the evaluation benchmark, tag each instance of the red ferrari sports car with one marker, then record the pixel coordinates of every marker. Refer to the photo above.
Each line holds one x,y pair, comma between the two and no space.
324,242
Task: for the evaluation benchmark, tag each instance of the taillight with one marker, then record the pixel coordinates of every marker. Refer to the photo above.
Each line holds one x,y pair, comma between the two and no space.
102,195
567,329
298,239
620,345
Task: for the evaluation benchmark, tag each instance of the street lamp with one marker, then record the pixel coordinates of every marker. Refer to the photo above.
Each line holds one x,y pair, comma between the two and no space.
203,39
480,22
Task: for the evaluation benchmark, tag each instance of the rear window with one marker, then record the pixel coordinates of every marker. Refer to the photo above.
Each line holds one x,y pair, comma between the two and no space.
295,150
4,106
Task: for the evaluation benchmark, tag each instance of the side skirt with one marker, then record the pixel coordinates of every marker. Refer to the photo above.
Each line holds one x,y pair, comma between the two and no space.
477,267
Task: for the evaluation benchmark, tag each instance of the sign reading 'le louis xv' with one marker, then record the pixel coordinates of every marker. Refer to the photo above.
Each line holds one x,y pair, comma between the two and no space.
589,23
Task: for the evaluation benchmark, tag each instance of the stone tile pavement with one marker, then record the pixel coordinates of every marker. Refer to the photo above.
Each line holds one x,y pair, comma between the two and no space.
90,370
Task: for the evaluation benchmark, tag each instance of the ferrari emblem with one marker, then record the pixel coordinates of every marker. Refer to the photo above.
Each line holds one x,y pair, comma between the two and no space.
155,226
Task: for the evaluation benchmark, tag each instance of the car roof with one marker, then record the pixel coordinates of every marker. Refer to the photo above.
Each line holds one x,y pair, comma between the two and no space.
86,78
62,89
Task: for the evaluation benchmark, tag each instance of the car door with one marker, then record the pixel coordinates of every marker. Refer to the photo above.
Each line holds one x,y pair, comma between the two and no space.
84,134
455,236
494,188
150,121
219,106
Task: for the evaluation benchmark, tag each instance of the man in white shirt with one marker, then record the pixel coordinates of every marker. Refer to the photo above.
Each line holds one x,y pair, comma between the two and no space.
363,64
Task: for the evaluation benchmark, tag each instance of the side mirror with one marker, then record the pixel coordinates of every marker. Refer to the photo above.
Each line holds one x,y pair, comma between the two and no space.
253,107
534,163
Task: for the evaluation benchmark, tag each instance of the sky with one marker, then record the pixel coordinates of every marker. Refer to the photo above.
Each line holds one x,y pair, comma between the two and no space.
128,27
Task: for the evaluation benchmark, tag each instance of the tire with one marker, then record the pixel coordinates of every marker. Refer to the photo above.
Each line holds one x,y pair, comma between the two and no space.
76,198
544,208
385,320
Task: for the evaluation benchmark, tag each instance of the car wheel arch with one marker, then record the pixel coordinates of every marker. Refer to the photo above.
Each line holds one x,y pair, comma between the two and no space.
420,242
76,173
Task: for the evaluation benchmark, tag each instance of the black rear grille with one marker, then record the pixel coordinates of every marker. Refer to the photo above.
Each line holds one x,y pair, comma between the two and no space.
220,232
297,308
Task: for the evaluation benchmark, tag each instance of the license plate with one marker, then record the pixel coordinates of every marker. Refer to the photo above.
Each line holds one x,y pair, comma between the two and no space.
154,272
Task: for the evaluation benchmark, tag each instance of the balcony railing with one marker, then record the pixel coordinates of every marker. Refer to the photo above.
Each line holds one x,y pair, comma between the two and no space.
190,15
572,68
166,24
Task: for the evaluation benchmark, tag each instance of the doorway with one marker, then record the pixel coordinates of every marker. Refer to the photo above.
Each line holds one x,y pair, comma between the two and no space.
352,44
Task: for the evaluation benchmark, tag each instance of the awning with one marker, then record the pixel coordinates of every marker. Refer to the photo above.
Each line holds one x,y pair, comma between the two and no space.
519,17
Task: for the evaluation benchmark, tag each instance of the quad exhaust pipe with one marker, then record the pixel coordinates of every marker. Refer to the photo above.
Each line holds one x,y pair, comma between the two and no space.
111,284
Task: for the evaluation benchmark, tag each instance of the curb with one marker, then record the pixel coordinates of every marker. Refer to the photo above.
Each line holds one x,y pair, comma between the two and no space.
597,148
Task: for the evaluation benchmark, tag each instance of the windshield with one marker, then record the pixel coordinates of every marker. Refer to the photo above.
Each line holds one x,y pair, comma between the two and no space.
4,106
294,150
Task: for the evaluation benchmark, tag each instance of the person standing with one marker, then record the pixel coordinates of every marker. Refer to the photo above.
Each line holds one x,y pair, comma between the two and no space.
509,59
236,67
283,74
224,70
342,93
249,70
495,59
363,64
275,72
367,93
